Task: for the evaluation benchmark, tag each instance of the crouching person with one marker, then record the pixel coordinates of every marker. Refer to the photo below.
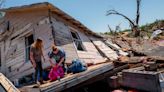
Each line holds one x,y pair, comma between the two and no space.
57,61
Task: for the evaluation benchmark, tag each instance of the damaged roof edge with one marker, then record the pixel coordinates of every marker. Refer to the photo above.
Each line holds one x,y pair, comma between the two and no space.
52,8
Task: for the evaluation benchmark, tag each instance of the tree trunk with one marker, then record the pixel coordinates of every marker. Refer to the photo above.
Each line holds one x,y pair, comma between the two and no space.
135,31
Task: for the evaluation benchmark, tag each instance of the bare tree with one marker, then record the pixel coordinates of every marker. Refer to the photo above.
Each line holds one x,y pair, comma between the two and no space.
2,3
114,32
110,29
133,24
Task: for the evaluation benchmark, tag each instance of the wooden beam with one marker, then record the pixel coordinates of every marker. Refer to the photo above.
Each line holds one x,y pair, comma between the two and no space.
100,77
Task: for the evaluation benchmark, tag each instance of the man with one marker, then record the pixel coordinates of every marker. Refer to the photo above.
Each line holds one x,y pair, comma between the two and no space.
57,57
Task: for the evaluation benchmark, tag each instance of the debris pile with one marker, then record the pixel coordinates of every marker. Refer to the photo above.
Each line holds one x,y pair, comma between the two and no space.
146,65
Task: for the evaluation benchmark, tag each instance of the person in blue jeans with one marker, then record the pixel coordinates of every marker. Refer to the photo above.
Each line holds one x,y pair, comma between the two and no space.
57,57
36,54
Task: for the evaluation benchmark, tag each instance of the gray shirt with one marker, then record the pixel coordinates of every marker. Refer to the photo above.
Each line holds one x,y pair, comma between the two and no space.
36,54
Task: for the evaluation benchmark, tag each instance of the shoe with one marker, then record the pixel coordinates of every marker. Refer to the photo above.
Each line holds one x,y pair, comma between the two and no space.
36,86
39,83
44,82
58,78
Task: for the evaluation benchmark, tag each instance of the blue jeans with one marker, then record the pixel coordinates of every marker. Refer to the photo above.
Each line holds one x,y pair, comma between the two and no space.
38,72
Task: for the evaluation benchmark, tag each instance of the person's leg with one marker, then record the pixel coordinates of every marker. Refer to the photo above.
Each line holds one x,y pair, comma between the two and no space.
36,73
64,66
40,71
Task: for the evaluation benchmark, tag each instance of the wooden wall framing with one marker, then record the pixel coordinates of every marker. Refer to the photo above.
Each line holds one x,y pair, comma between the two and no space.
54,28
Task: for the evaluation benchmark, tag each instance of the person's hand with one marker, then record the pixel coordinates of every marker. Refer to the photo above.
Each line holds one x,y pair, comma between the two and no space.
56,65
53,65
34,65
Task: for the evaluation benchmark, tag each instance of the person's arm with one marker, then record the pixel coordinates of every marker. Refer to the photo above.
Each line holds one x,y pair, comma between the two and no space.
61,60
51,60
32,59
43,55
50,55
62,57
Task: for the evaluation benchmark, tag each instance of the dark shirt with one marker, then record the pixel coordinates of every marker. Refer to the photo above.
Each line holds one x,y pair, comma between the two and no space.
36,54
58,56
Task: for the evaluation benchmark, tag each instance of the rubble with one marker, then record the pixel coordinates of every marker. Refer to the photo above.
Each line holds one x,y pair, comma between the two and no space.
146,64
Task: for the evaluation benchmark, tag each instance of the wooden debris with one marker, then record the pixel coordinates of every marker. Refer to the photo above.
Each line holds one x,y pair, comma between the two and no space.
108,52
116,48
141,80
8,86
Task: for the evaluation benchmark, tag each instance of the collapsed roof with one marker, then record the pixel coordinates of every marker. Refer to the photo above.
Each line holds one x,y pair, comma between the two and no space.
52,8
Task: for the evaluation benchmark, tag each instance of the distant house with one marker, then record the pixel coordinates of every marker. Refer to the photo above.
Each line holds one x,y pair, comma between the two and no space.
22,25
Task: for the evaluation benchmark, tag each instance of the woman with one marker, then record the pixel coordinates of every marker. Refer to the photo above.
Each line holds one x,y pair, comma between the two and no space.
36,54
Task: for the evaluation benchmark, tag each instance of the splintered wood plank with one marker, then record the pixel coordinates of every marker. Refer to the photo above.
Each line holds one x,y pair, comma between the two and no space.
123,44
112,45
7,84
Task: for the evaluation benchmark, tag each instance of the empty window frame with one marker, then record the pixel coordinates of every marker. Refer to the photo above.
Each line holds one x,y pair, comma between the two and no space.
77,41
28,42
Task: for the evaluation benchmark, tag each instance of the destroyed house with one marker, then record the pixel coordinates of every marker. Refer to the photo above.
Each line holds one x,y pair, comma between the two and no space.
20,26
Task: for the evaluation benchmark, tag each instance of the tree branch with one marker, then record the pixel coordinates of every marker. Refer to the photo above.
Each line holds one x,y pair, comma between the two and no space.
1,3
114,12
138,12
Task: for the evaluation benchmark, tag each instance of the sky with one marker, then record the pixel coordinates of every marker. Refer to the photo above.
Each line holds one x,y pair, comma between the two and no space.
92,13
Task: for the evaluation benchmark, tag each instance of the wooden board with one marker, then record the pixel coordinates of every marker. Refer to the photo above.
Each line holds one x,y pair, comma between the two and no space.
115,47
44,31
7,84
108,52
64,40
123,44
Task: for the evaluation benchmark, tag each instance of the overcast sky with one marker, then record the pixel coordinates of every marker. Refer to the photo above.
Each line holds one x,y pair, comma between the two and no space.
92,13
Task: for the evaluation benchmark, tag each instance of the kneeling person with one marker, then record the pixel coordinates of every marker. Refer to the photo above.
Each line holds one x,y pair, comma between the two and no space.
57,57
